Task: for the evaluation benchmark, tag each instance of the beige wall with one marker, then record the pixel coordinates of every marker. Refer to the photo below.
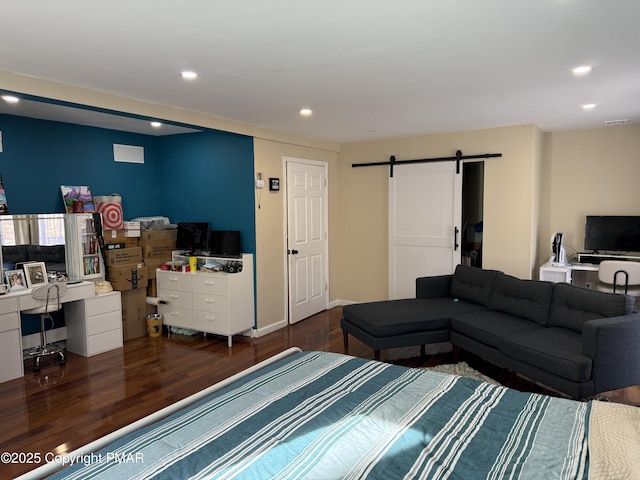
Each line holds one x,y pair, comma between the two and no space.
271,291
587,172
509,225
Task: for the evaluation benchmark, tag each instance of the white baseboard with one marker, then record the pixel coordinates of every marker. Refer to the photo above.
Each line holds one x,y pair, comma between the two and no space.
259,332
342,303
55,335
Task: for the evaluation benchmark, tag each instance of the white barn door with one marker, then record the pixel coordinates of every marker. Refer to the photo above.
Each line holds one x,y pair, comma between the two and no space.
425,209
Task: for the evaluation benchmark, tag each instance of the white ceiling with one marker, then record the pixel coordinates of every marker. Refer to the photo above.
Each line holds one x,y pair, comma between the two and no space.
368,68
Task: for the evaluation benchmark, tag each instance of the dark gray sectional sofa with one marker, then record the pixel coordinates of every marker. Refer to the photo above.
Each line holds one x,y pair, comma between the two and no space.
578,341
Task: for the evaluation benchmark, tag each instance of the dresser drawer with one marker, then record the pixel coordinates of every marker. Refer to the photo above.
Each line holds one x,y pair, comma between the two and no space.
109,302
8,304
176,298
9,321
210,303
216,284
104,322
174,280
177,317
211,322
103,342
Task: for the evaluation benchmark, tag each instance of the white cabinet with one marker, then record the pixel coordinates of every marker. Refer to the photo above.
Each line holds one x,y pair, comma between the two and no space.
555,274
95,325
220,303
11,365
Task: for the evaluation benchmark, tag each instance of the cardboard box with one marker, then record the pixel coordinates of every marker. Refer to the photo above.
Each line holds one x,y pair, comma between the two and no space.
161,249
124,256
134,313
132,234
117,237
128,277
159,235
152,264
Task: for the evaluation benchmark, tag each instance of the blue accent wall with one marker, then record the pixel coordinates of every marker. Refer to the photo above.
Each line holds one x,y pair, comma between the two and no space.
41,155
205,176
210,176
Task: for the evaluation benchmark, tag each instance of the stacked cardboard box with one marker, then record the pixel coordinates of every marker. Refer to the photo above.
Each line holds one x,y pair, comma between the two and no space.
157,246
116,239
127,273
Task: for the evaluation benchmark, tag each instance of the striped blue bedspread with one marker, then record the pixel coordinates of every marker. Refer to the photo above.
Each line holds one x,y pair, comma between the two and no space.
331,416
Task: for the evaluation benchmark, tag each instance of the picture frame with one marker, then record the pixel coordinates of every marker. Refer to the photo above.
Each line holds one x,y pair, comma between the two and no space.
15,280
35,273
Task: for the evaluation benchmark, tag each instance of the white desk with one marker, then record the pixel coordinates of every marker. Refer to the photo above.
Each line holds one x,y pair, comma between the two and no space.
94,324
565,273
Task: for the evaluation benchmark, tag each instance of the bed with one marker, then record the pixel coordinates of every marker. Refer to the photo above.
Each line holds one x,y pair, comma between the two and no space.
332,416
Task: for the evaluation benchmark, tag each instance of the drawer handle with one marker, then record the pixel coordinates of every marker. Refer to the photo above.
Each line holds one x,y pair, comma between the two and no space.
173,279
211,318
209,282
173,295
175,314
210,300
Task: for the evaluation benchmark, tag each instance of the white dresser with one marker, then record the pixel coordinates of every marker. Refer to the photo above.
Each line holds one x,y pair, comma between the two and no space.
101,329
220,303
10,339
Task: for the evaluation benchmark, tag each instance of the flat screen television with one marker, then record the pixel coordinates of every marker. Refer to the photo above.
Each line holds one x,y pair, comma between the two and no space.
612,233
225,243
192,236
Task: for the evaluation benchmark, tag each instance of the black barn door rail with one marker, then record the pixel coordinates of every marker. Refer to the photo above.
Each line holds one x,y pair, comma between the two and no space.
458,158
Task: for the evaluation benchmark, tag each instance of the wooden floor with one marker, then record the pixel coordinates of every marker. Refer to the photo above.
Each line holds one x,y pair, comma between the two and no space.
63,408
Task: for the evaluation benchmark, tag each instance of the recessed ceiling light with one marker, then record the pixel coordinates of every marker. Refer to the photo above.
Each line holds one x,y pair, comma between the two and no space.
582,69
189,75
156,124
588,106
306,112
10,99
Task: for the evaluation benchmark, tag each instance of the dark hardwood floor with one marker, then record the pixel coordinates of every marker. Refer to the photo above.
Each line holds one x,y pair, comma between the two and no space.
62,408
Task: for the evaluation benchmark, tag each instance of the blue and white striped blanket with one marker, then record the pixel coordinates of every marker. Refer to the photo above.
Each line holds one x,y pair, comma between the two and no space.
330,416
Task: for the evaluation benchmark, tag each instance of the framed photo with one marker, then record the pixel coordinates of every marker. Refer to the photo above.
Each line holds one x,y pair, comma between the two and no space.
15,280
36,273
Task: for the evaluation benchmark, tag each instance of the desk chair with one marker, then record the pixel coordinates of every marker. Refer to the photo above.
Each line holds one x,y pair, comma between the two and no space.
50,293
619,273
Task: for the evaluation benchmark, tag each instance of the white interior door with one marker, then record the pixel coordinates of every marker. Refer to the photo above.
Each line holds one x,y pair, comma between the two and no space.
306,239
425,209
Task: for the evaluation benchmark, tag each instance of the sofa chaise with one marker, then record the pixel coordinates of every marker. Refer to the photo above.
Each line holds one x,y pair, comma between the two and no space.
574,340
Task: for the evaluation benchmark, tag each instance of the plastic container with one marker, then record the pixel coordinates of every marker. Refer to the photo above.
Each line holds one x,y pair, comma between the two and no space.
154,325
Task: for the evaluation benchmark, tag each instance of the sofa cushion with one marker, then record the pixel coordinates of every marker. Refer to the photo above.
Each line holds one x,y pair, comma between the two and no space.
397,317
490,327
529,299
556,350
571,306
473,284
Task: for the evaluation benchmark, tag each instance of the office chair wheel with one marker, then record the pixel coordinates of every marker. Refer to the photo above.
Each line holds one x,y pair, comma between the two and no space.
63,359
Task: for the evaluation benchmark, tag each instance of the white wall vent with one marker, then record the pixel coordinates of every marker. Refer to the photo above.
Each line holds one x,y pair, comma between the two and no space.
128,153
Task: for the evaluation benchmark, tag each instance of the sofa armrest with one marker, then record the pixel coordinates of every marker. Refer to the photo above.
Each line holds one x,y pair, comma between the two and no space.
433,287
613,343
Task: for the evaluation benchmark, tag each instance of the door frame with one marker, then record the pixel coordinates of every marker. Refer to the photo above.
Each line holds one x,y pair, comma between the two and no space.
285,225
